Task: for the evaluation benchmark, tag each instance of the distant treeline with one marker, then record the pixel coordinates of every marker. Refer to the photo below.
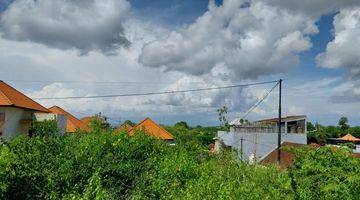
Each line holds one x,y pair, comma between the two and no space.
319,133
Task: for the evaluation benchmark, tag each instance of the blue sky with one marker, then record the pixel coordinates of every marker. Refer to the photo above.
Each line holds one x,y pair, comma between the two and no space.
181,44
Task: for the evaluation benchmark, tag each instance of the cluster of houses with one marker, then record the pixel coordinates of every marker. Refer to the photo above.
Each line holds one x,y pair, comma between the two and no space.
17,112
255,141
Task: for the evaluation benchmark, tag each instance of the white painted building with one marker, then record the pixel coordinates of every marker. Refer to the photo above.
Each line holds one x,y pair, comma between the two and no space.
254,141
17,111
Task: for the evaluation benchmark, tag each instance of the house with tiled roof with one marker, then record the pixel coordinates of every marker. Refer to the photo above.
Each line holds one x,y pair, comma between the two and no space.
17,111
149,127
73,123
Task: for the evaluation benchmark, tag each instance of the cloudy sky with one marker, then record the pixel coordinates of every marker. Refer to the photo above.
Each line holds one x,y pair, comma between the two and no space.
71,48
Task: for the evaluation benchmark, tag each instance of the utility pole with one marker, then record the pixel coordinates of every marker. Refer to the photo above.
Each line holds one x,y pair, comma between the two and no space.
279,132
255,146
241,147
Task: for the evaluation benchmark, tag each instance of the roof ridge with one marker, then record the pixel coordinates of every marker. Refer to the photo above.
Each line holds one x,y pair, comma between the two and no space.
152,121
139,123
66,112
77,123
22,95
162,128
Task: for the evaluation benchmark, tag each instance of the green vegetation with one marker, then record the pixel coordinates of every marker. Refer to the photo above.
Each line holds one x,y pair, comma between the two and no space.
44,128
224,122
103,165
200,135
99,123
318,133
129,122
326,173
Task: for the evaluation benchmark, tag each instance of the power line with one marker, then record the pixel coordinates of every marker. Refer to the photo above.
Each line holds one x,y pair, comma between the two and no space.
260,101
156,93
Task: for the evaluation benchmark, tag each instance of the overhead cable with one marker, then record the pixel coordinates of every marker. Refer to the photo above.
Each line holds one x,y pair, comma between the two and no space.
156,93
260,101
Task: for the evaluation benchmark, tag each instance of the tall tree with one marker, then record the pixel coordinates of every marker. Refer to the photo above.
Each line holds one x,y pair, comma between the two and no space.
223,117
310,126
129,122
182,124
343,123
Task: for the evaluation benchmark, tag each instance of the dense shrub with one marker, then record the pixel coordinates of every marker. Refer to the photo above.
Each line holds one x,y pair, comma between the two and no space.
43,128
115,166
326,173
202,135
57,167
180,176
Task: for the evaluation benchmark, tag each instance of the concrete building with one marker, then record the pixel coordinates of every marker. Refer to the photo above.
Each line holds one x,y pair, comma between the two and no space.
72,123
255,140
17,111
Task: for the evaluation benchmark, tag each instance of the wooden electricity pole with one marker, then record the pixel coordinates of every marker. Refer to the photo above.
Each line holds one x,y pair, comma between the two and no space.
279,131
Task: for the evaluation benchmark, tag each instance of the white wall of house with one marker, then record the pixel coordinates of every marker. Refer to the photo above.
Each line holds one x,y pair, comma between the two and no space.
61,120
15,121
18,120
257,145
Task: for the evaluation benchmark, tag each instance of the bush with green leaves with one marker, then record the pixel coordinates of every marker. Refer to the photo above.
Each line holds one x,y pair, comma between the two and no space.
325,173
59,167
116,166
43,128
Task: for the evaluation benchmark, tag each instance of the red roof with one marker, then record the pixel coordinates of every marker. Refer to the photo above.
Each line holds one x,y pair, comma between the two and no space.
152,129
286,158
9,96
72,122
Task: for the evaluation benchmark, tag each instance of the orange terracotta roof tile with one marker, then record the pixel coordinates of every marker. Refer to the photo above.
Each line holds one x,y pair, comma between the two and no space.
152,129
86,120
9,96
72,122
350,138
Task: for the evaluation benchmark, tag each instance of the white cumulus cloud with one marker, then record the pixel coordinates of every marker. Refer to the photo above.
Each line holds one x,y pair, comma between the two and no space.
85,25
251,41
343,52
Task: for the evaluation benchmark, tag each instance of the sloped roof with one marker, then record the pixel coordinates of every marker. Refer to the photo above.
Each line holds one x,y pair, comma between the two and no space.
124,128
152,129
286,158
9,96
72,122
86,120
350,138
